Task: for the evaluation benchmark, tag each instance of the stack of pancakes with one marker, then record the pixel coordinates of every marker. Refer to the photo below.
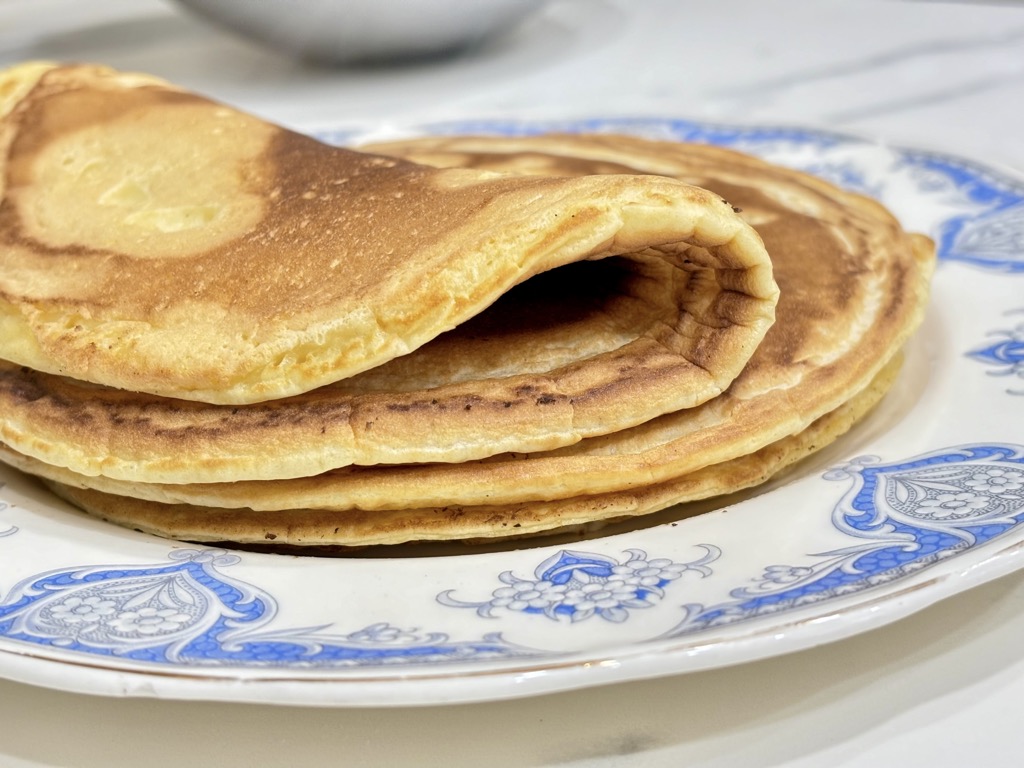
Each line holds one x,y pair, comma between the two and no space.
215,329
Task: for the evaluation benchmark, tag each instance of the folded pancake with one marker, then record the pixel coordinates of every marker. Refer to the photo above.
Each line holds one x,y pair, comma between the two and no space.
361,528
853,284
546,365
157,242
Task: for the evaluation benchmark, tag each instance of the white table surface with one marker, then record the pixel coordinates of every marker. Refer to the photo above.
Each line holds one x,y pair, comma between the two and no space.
941,688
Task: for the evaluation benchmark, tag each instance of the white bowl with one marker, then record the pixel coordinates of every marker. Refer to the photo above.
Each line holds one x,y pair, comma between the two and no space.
354,30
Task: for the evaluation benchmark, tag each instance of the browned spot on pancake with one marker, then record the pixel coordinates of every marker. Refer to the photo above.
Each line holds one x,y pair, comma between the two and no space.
315,239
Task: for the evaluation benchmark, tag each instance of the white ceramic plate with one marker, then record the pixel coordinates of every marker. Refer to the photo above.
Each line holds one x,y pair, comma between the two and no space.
923,500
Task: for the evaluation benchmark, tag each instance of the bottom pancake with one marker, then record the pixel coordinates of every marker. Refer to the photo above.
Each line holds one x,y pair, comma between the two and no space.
360,528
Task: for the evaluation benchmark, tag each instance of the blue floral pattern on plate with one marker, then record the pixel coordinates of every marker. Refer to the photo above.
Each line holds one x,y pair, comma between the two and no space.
578,585
1005,355
941,501
900,517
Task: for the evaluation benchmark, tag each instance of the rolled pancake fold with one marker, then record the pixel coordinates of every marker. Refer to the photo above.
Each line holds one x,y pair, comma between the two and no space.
154,241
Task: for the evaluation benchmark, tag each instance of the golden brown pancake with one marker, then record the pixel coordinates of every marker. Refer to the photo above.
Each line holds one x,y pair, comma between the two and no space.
155,241
854,287
360,528
548,364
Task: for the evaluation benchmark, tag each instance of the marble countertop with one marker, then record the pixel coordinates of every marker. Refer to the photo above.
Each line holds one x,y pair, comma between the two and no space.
940,688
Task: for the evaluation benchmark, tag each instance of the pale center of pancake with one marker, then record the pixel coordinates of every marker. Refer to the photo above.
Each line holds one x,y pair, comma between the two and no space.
171,181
